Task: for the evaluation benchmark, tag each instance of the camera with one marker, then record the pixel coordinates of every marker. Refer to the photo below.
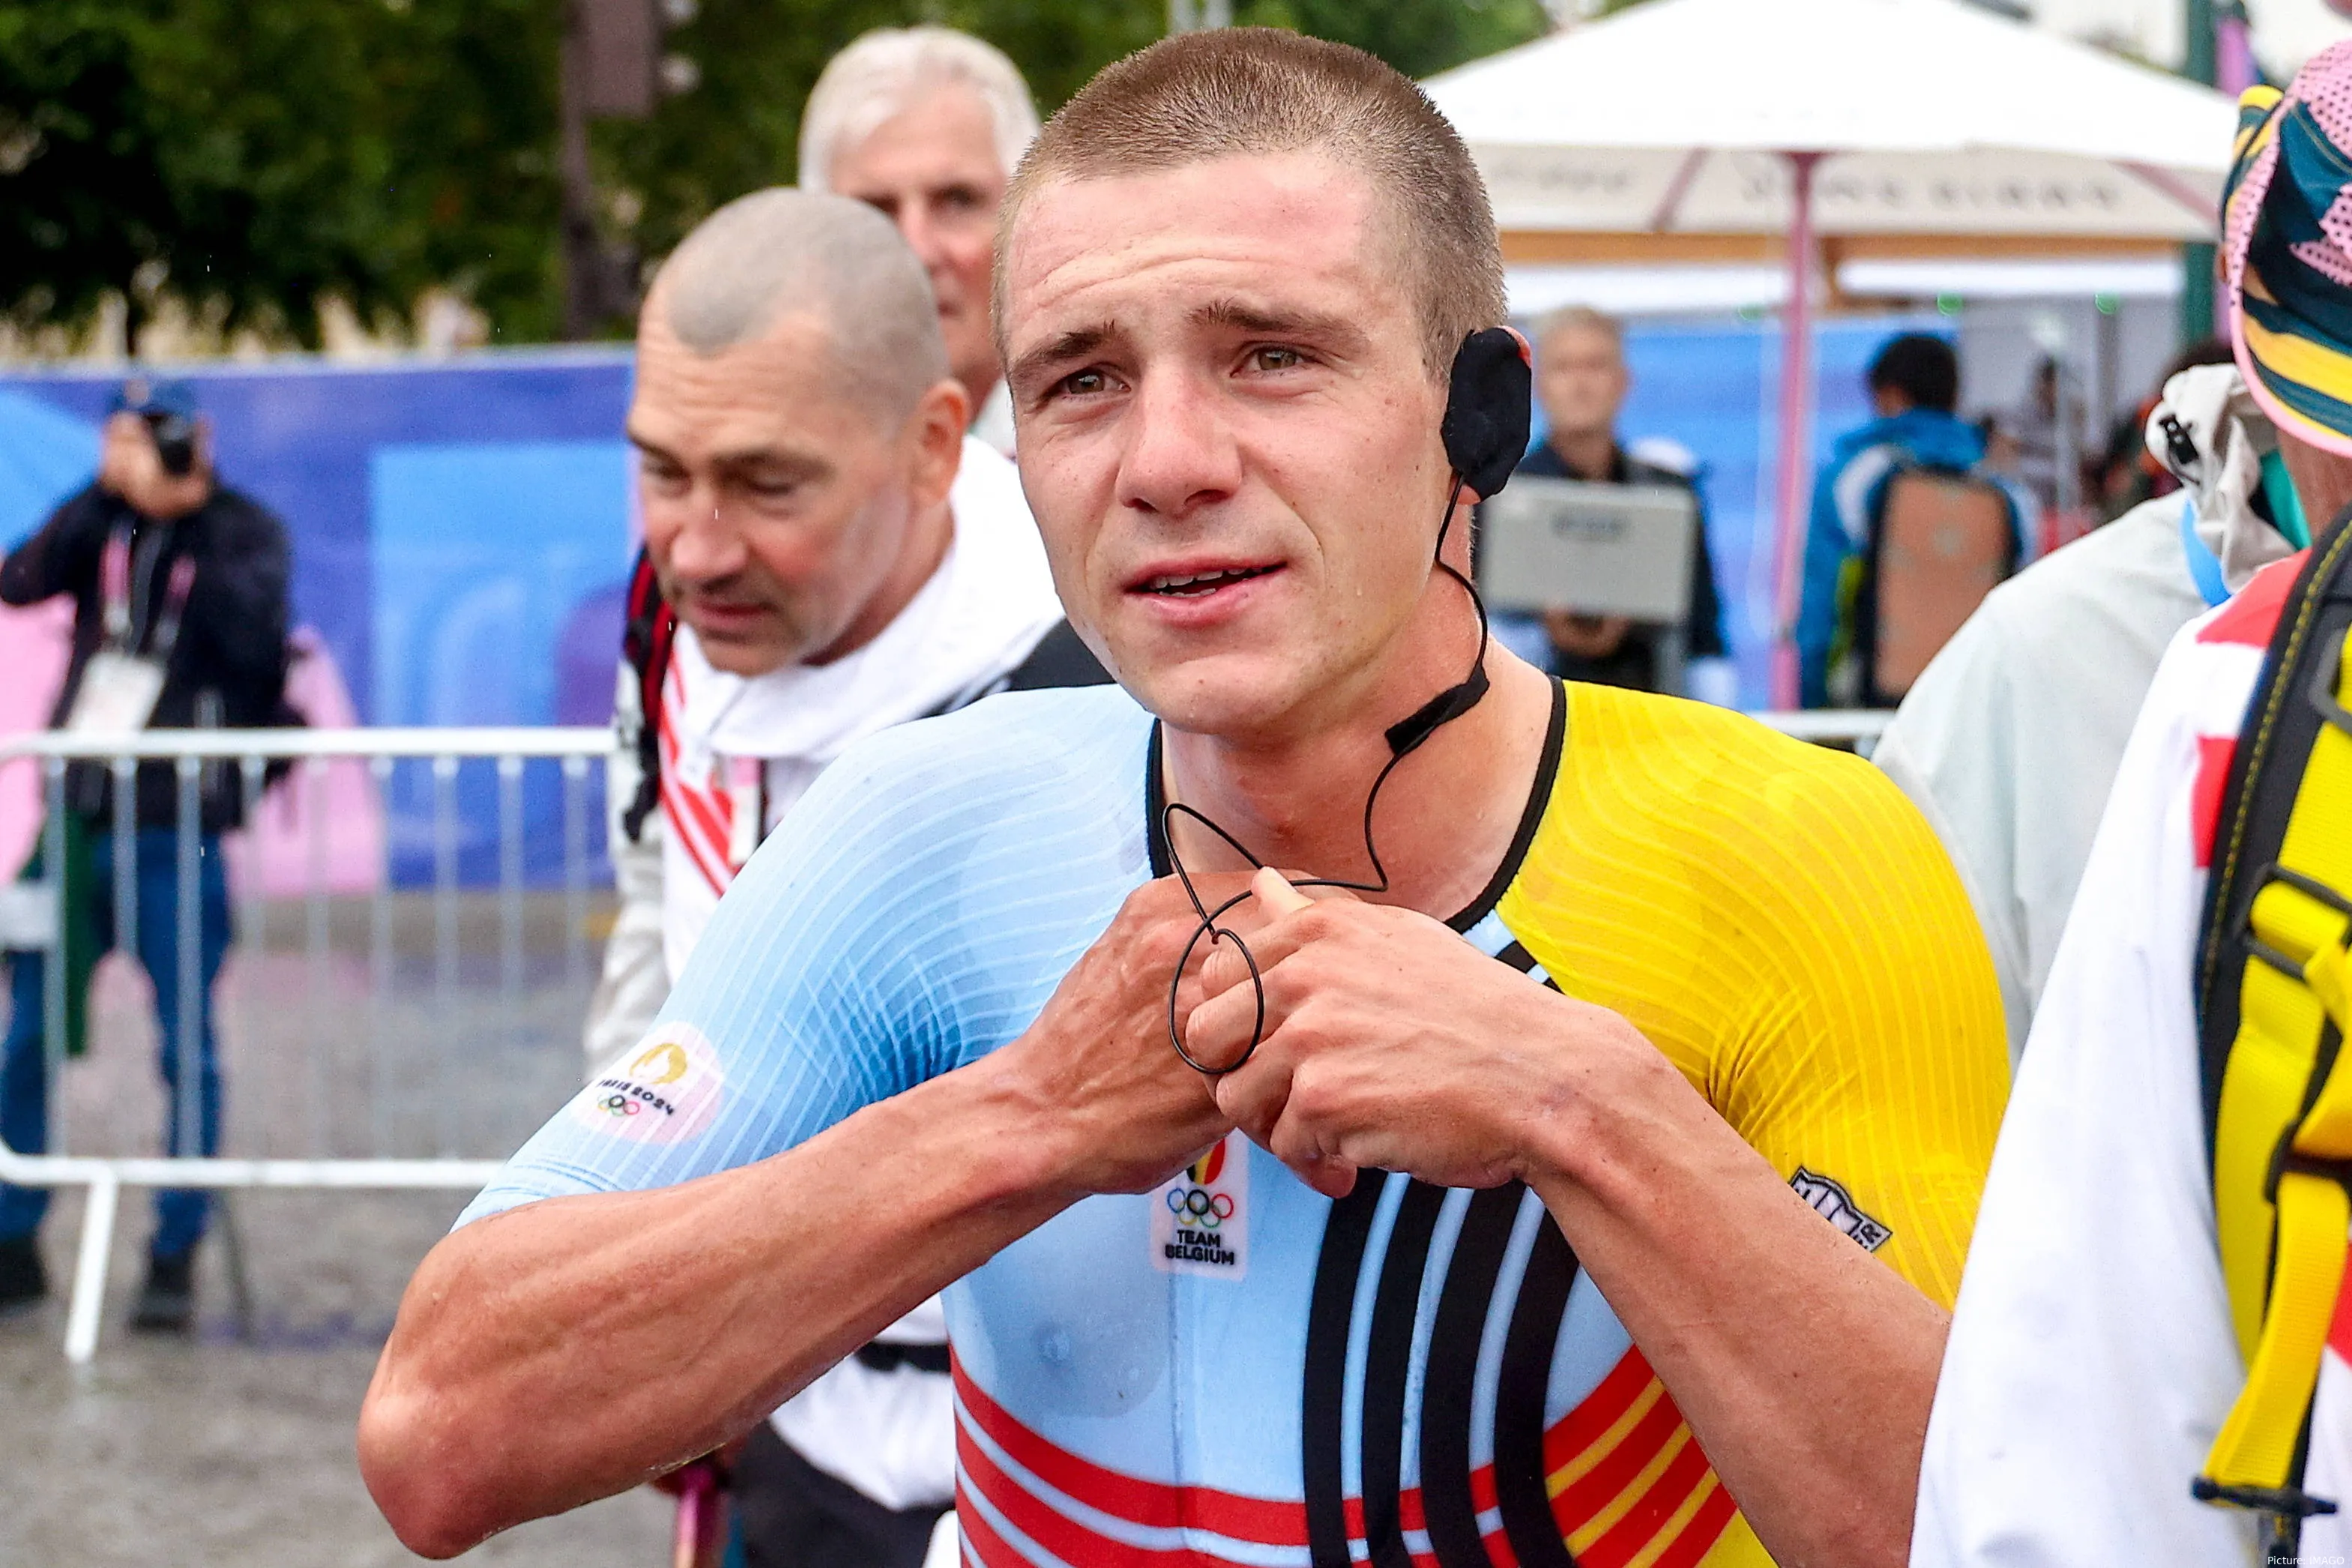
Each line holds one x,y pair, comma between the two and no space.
175,441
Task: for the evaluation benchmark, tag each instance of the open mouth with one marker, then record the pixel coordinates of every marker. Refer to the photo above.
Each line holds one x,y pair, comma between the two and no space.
1196,584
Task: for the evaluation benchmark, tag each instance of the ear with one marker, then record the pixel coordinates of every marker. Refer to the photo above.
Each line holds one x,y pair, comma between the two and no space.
936,429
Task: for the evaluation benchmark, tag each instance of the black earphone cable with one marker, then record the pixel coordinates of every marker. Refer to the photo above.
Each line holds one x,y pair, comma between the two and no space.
1404,737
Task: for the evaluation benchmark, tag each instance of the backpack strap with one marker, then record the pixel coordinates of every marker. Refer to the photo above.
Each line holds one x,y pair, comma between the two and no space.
647,638
2275,998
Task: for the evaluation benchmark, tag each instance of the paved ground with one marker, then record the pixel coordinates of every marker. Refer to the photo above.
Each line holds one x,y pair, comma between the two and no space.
236,1447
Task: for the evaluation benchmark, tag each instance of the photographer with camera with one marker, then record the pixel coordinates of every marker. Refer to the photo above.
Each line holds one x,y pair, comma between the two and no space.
180,610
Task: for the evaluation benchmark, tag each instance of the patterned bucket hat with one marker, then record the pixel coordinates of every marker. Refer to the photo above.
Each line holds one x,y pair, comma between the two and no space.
2286,231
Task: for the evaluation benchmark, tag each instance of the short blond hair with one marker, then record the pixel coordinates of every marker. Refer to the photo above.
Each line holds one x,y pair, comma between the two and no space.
1245,91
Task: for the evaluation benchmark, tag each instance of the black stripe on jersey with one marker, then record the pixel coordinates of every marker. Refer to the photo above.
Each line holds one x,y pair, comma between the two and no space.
1324,1386
1388,1367
1527,1348
1450,1379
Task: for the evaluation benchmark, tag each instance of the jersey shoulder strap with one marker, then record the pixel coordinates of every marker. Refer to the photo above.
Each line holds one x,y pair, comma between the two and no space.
647,638
2275,998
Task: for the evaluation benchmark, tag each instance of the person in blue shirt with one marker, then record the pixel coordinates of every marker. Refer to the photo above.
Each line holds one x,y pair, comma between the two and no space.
1914,383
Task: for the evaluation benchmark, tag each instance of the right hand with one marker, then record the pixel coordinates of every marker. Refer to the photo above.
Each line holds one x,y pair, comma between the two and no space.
1129,1111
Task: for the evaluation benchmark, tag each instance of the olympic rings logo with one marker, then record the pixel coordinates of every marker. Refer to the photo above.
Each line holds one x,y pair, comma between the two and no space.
1200,1207
621,1105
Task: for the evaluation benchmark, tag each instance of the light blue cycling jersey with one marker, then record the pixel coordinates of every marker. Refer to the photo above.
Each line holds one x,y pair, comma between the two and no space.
1232,1369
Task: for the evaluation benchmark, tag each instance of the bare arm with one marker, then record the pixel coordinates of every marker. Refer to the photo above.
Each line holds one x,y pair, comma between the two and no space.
1804,1365
573,1348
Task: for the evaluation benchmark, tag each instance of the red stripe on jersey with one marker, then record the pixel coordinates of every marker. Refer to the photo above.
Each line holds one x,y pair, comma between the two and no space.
1603,1408
2253,612
2214,755
1624,1540
979,1538
1275,1523
1699,1535
1582,1499
1264,1520
1052,1530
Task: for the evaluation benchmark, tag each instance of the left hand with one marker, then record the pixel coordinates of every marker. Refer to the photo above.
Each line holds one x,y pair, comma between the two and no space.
1391,1042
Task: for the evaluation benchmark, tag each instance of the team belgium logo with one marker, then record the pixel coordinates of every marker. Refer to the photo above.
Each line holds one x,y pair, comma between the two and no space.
668,1089
1199,1224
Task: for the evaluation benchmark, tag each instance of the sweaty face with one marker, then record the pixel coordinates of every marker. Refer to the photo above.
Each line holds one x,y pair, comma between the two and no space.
1227,434
1581,377
932,169
774,508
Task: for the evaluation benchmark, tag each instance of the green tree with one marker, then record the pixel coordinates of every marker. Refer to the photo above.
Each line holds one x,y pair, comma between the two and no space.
130,163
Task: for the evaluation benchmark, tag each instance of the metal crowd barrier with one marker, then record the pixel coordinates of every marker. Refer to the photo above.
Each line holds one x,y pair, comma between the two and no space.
443,752
444,939
1853,729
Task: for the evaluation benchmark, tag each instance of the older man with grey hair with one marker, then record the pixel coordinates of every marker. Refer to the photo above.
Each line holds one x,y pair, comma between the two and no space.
828,553
926,124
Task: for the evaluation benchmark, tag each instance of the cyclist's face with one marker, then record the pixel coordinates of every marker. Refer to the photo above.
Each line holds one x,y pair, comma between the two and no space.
775,507
1228,434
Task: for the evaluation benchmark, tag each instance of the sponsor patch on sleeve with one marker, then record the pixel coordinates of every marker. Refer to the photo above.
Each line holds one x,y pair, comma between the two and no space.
668,1089
1835,1204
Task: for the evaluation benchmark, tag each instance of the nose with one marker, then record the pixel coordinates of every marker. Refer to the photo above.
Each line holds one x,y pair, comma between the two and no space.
1181,453
921,229
703,546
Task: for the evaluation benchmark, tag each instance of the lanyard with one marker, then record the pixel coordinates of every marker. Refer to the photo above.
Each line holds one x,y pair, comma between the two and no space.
114,581
2204,567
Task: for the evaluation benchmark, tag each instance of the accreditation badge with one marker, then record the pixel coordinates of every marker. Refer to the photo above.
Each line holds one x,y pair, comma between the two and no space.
1200,1219
117,694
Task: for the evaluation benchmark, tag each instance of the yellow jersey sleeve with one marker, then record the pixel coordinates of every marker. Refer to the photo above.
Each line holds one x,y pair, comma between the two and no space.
1778,920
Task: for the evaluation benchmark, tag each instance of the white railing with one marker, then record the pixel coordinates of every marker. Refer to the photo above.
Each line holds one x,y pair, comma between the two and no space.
1858,728
313,752
250,753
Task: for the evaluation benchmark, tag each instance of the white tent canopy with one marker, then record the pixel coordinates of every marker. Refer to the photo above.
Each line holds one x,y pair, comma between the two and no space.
1938,119
1869,120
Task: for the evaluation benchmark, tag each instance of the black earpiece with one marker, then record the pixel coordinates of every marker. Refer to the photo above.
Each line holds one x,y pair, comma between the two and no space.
1486,408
